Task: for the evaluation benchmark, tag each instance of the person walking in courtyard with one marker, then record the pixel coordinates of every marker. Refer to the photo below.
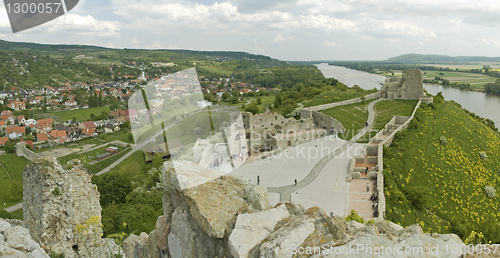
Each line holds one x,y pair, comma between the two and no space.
295,181
367,187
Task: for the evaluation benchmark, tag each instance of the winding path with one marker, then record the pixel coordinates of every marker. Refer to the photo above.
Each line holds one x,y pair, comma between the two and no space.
286,191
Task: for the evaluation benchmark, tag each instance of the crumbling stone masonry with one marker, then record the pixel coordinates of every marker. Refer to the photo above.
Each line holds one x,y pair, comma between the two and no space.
272,131
408,87
62,211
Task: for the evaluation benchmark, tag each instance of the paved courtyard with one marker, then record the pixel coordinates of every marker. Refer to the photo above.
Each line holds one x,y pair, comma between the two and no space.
329,190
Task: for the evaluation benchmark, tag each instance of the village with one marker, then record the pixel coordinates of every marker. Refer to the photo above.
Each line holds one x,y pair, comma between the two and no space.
31,115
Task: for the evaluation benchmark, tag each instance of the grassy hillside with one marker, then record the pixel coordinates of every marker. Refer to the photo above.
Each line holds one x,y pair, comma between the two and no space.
353,117
436,172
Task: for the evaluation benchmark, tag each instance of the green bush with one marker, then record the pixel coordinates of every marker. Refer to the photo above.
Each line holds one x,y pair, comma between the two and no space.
353,215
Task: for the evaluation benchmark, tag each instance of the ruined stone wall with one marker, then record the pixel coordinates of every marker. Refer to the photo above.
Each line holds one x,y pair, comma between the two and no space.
374,95
327,122
61,210
408,87
22,151
263,130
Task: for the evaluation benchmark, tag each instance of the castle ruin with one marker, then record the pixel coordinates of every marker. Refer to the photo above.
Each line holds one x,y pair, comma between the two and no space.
272,131
409,87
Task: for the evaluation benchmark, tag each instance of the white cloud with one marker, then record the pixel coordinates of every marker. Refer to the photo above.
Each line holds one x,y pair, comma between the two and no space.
280,38
79,24
330,43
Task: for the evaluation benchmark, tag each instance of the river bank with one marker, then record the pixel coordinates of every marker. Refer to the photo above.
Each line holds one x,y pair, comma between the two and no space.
484,105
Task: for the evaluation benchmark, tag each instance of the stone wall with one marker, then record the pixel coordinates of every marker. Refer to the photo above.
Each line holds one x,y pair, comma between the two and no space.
374,95
22,151
323,121
61,210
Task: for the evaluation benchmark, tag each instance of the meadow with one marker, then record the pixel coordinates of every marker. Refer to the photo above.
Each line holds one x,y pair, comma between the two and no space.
15,167
436,172
80,114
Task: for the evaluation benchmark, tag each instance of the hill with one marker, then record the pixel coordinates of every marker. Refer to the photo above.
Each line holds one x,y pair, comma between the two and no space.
437,172
31,65
419,58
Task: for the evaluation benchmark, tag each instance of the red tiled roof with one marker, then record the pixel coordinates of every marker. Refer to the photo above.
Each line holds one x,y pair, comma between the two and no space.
17,129
42,137
4,140
89,124
88,131
57,134
30,143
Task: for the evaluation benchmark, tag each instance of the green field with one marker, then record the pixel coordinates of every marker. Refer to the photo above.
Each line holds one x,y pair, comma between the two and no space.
15,166
353,117
122,135
80,114
434,174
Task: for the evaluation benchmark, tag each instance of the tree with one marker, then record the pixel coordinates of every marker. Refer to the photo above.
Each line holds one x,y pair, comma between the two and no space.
259,101
225,96
278,99
114,187
9,147
252,108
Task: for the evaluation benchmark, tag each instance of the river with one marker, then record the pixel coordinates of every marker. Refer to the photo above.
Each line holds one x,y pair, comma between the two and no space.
484,105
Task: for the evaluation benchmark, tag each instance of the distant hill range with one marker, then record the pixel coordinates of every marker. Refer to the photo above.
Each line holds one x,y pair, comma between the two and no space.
87,49
419,58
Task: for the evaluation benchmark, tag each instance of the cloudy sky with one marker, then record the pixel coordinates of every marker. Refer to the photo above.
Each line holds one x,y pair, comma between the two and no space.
283,29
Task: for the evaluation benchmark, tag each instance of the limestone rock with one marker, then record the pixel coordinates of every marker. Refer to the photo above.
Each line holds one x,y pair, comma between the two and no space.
279,243
15,241
354,225
129,245
4,226
213,204
252,228
161,233
259,198
187,239
337,227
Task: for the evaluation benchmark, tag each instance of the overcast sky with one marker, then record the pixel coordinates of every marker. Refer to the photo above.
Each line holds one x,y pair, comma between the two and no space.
283,29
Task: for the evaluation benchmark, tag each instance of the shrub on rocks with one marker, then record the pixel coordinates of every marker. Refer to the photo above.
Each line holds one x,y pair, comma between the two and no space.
483,155
443,140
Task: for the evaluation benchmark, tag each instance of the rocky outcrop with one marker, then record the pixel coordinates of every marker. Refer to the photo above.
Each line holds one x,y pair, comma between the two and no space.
251,228
62,211
227,217
15,241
